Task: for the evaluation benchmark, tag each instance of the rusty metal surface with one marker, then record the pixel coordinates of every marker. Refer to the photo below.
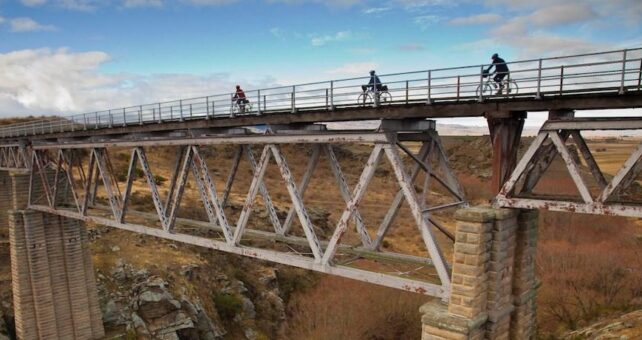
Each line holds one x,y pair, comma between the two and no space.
605,199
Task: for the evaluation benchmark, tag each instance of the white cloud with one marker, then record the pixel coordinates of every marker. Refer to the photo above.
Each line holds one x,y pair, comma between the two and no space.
277,32
209,2
142,3
562,14
425,21
2,20
80,5
353,69
45,81
479,19
332,3
376,10
418,4
20,25
324,39
33,3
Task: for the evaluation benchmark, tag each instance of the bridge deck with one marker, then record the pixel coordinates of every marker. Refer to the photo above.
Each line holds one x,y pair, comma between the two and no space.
606,80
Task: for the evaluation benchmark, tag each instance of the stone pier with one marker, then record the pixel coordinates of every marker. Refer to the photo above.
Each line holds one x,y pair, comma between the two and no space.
54,289
493,279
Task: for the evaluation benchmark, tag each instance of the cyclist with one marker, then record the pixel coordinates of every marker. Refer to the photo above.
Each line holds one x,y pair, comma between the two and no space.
374,81
240,98
501,71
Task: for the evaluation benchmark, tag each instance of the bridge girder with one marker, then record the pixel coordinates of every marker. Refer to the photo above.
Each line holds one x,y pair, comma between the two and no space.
605,197
57,168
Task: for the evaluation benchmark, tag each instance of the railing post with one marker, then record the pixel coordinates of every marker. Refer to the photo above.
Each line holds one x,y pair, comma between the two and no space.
539,80
232,107
97,120
623,71
180,102
160,114
207,108
640,76
332,95
429,99
264,102
458,85
258,97
171,112
561,79
376,93
293,99
124,117
481,83
327,100
140,115
190,110
406,92
111,119
84,116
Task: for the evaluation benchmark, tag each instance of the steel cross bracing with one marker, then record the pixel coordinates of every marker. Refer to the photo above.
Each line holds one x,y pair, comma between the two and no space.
58,167
597,194
604,76
14,156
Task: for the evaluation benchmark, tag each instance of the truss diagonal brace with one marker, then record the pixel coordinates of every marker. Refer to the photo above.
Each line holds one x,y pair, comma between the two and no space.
274,218
347,196
204,180
303,185
297,202
357,195
411,197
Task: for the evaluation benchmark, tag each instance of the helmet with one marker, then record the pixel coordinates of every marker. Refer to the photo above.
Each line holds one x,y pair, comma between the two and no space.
238,86
372,72
494,56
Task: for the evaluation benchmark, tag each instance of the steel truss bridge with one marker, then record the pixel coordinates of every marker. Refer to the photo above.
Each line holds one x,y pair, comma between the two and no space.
70,161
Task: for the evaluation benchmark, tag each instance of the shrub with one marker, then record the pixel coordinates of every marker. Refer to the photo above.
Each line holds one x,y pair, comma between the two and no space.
159,180
227,305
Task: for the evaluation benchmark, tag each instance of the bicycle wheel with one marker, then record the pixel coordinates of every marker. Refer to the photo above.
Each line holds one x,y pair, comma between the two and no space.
511,87
248,107
365,99
484,89
385,98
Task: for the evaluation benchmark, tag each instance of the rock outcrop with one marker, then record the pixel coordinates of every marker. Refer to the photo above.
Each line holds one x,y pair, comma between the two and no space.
625,327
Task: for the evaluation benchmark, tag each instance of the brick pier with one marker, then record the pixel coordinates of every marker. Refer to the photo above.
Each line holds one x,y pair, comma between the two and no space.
493,279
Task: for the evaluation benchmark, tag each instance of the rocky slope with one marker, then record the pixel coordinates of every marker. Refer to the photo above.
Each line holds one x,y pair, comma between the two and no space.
624,327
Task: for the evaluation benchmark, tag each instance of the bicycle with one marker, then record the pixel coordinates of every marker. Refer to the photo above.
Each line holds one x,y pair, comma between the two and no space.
489,87
240,108
367,97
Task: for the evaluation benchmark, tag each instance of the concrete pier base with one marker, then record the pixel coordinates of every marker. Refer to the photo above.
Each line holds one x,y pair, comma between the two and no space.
493,279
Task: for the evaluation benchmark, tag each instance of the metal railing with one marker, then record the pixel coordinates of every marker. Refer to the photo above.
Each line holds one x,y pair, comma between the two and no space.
612,71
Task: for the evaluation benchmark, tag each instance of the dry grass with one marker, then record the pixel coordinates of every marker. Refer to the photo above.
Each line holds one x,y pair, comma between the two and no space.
345,309
589,266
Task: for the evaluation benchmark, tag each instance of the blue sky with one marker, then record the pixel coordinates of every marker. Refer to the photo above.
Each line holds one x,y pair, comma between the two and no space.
75,55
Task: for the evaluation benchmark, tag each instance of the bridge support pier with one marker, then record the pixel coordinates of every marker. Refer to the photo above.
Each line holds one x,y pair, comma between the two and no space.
493,278
505,134
54,290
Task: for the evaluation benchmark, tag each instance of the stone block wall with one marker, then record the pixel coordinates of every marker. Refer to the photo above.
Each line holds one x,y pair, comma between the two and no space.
54,288
493,278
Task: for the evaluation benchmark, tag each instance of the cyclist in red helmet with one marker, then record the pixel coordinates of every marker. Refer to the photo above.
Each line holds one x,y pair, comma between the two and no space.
240,98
